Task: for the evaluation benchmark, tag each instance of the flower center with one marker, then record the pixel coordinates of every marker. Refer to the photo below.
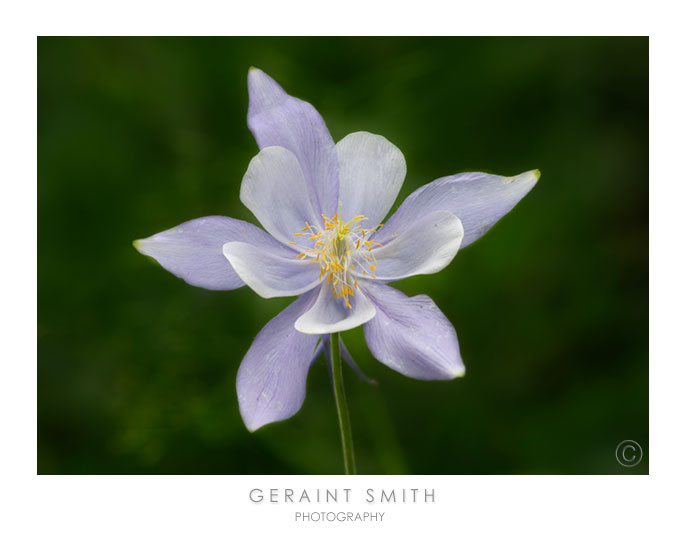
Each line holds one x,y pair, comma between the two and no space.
343,250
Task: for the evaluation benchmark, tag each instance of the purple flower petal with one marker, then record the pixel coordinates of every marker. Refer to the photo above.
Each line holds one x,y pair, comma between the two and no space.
478,199
427,246
276,118
347,357
371,174
411,335
271,275
276,192
193,250
330,314
345,354
272,377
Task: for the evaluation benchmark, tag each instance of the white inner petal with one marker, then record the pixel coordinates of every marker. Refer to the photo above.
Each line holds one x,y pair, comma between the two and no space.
329,315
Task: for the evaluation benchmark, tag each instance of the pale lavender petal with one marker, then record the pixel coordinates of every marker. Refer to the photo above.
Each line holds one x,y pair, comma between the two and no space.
193,250
276,118
325,345
411,335
347,357
276,192
345,354
371,174
426,246
271,275
272,377
326,348
478,199
330,314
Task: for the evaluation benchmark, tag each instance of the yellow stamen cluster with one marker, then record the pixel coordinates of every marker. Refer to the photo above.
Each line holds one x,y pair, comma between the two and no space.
343,250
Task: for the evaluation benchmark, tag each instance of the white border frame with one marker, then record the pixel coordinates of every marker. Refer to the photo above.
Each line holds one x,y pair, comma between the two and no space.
220,504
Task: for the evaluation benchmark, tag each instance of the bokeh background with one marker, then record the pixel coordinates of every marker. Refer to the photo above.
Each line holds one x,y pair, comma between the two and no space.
136,369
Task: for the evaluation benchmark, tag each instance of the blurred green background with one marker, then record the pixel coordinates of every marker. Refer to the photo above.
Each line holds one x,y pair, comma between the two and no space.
136,369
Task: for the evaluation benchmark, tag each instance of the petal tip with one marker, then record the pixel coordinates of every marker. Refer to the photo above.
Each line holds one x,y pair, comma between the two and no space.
456,372
459,373
536,173
137,244
251,428
251,419
253,424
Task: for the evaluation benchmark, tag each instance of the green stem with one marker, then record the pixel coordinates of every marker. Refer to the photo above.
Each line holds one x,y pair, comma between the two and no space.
341,406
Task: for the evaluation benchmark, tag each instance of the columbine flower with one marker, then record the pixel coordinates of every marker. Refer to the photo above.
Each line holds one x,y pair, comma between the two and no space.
322,205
